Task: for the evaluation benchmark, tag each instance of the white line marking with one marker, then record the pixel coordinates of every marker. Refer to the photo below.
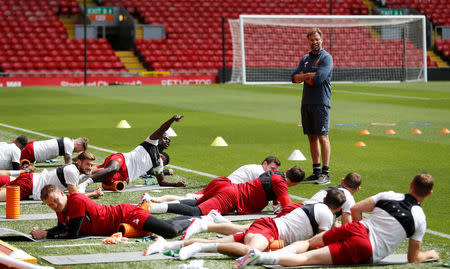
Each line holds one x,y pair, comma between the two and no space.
182,168
375,94
384,95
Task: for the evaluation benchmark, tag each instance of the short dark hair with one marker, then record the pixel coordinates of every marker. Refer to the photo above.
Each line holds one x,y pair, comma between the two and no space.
423,184
22,140
295,174
166,158
272,159
335,198
85,155
352,180
314,30
45,192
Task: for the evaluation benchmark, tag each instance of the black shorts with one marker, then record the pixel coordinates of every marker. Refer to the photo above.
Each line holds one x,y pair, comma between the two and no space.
315,119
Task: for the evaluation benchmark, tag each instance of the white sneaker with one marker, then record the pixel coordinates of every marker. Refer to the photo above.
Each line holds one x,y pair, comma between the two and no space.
250,258
189,251
217,217
144,198
155,247
195,227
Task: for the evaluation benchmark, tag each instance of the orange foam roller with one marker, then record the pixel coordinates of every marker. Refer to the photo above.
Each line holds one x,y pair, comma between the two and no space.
115,186
129,231
25,163
12,202
275,244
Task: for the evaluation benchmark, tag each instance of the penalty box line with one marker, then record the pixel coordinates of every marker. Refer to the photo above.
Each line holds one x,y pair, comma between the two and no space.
177,167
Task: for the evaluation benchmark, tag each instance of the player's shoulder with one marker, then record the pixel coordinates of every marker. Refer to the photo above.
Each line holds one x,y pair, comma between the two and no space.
71,167
76,197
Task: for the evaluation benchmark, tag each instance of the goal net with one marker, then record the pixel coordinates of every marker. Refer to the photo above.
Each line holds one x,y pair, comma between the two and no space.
268,48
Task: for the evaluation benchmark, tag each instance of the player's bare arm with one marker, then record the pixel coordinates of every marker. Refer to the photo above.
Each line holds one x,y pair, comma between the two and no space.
164,127
415,255
366,205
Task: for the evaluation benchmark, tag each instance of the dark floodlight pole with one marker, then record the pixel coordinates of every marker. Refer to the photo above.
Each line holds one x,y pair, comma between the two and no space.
85,43
224,61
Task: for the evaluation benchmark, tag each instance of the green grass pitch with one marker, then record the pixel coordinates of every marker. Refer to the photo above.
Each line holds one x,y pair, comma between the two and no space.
255,121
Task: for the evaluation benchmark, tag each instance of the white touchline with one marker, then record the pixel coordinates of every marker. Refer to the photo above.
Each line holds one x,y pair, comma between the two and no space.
374,94
180,168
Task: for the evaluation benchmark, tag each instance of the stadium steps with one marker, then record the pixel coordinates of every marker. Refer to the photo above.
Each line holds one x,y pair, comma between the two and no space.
370,4
69,24
131,62
436,58
89,3
139,31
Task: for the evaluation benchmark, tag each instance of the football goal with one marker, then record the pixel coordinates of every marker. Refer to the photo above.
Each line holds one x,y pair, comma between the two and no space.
267,48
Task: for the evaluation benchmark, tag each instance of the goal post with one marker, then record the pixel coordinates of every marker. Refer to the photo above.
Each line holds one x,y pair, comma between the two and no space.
378,48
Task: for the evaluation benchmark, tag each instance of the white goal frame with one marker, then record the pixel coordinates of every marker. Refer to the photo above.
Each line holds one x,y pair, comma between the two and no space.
368,18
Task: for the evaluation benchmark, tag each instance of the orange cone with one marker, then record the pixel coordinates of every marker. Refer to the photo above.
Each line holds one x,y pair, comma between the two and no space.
445,131
417,131
360,144
390,131
365,132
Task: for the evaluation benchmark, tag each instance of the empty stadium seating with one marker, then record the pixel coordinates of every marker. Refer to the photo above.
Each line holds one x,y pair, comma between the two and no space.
194,28
437,11
443,48
33,41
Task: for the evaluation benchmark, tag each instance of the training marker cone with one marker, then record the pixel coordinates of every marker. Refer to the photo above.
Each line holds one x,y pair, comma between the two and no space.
417,131
360,144
170,132
296,155
365,132
219,142
123,124
445,131
390,131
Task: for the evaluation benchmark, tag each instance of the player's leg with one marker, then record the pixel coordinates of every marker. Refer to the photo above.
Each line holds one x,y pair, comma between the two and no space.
322,116
308,125
2,195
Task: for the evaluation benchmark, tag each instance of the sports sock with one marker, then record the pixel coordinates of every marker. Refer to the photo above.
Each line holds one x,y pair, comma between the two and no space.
173,202
289,249
271,257
82,186
14,173
316,168
158,208
325,170
191,250
173,245
209,247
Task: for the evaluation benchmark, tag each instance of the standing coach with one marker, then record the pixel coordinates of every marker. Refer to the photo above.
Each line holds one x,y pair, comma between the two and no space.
314,70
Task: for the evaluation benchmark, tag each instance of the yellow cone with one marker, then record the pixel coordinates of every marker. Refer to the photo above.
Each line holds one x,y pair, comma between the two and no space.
123,124
219,142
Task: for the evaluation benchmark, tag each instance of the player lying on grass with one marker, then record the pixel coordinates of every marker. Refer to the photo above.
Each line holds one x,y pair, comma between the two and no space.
395,217
64,177
349,185
40,151
301,223
127,167
79,215
243,174
245,198
10,153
